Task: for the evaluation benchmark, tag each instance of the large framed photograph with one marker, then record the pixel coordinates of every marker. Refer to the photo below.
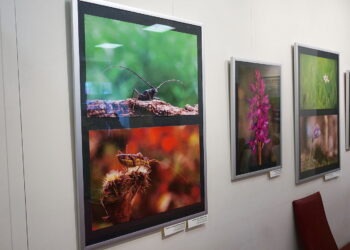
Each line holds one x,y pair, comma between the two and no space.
139,121
316,108
347,110
255,105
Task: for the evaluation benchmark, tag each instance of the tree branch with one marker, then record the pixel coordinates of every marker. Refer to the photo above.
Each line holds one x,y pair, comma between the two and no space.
132,107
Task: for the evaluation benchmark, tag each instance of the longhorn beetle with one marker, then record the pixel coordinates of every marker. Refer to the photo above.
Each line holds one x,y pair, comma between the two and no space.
148,94
133,160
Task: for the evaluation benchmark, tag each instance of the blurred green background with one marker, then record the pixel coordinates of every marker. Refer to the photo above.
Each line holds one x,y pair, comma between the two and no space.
156,56
318,82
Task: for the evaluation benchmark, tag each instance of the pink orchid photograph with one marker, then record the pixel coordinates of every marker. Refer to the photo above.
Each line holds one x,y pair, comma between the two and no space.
258,139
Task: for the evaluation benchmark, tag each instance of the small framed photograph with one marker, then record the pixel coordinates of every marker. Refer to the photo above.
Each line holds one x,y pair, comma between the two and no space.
139,121
316,109
255,109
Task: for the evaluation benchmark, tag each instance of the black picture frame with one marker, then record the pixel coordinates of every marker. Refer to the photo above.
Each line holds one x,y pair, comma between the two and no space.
316,110
112,123
244,162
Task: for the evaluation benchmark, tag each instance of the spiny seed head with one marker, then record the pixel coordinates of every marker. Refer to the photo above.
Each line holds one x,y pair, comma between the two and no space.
140,178
112,176
117,184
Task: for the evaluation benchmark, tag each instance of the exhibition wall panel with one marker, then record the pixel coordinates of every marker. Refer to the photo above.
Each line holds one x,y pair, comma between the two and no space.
254,213
5,230
45,90
13,232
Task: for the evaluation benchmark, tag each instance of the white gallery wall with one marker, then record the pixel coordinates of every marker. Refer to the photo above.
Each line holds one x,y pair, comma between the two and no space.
37,208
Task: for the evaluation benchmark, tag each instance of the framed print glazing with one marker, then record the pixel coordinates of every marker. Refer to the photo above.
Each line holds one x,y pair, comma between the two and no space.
139,121
255,95
316,104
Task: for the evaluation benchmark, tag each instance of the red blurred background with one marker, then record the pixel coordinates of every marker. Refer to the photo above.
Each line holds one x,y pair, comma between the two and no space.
175,181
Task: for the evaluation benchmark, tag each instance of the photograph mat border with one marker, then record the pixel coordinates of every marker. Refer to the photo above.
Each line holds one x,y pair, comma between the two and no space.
232,108
296,115
79,178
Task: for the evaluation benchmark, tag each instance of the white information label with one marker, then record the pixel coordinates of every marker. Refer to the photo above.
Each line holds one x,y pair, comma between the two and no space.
275,173
173,229
331,175
197,221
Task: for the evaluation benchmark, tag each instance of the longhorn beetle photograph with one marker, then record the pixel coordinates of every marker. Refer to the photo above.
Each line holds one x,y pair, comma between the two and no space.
139,122
135,177
148,94
138,70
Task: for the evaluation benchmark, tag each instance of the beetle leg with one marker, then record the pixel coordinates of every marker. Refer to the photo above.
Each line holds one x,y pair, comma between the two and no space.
149,96
137,93
133,96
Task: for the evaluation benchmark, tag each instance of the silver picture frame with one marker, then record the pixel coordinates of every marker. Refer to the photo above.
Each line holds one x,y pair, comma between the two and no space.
296,64
233,120
79,167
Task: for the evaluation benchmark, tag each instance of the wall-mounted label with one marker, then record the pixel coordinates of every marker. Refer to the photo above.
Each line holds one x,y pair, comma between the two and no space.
173,229
275,173
331,175
197,221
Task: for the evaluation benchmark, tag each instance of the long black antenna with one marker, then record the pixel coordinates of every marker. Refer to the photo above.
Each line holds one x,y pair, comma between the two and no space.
171,80
131,71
